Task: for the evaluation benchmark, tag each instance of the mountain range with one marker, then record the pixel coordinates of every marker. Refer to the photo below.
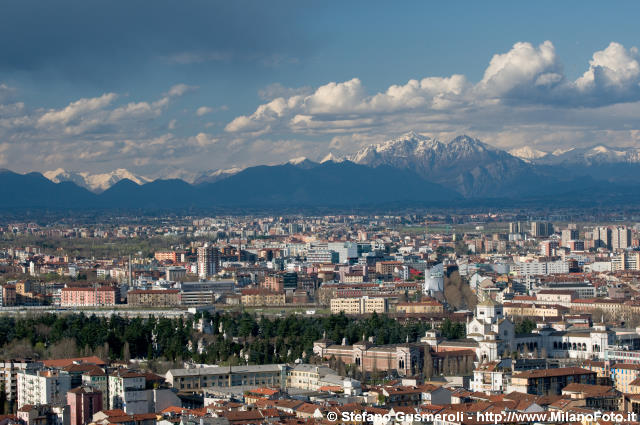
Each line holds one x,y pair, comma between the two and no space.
411,169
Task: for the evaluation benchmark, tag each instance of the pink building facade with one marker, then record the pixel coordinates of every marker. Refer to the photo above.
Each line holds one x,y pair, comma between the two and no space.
88,296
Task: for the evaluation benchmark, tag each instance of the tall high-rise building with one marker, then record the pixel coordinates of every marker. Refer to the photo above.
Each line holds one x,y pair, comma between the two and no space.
568,235
620,237
602,237
208,261
541,229
516,227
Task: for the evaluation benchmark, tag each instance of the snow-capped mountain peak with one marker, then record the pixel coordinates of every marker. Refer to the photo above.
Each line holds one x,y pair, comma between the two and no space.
94,182
527,153
597,154
464,164
298,160
213,176
330,157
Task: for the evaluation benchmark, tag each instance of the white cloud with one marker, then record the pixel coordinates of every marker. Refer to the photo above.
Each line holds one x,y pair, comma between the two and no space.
203,139
524,77
336,98
614,67
522,66
433,92
180,89
135,110
203,110
76,109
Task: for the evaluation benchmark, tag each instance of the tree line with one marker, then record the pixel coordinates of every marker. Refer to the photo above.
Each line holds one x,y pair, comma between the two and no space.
236,337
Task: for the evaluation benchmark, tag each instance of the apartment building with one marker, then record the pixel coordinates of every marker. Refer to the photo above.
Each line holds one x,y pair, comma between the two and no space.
9,375
83,403
625,260
205,292
315,378
533,310
422,307
387,267
623,374
550,381
98,379
492,377
166,256
360,305
153,297
262,297
272,375
87,296
43,387
127,391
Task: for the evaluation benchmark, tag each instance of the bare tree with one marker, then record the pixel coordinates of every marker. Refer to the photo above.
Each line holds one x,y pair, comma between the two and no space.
64,349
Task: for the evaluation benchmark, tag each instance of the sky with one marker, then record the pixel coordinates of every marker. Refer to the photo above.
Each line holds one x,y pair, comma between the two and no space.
172,89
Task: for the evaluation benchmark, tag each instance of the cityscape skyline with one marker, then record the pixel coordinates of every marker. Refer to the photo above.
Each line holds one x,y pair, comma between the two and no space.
305,213
218,86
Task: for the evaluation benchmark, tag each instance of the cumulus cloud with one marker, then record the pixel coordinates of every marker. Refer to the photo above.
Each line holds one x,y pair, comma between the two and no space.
523,67
76,109
614,73
525,76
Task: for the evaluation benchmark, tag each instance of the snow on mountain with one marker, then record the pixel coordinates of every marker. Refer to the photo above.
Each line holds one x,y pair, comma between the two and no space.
593,155
464,164
62,175
212,176
561,151
331,157
298,160
527,153
94,182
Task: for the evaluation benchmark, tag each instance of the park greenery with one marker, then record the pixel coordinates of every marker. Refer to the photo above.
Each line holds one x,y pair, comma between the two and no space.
236,338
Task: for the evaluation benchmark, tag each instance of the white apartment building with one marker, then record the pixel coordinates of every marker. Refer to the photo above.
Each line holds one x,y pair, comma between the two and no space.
533,268
127,392
208,261
9,375
492,377
311,377
43,387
